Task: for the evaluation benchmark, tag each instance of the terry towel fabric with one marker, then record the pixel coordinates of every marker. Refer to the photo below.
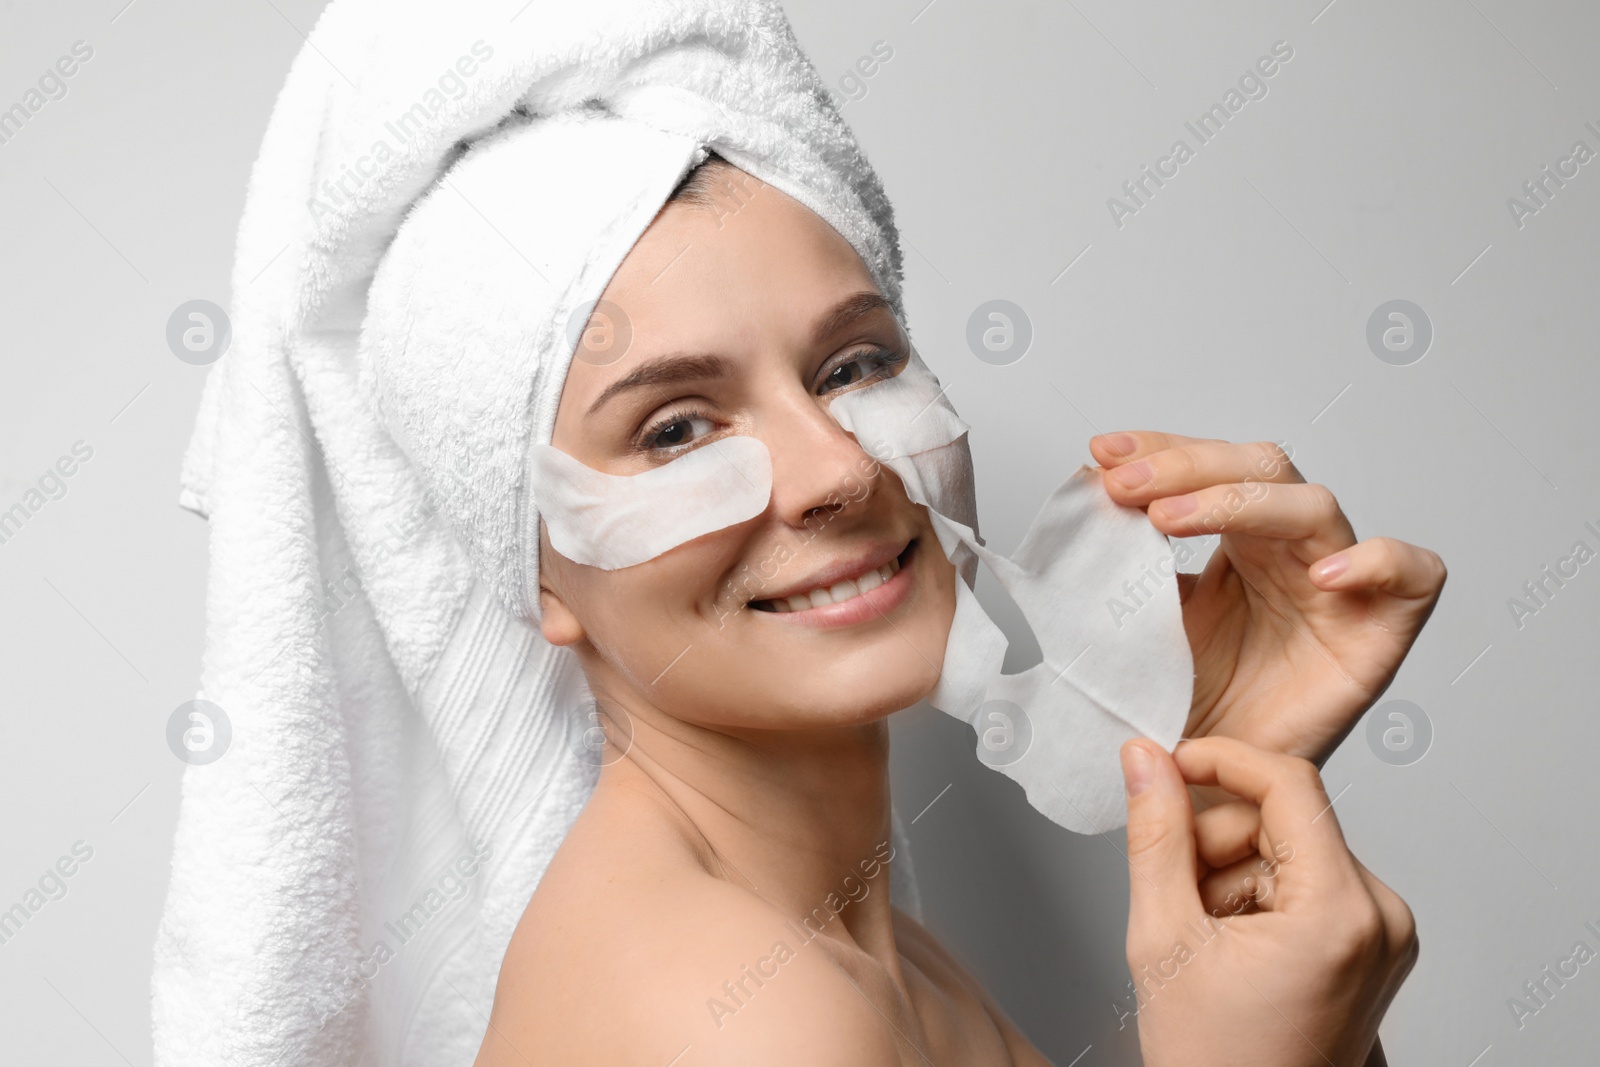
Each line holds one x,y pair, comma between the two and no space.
406,750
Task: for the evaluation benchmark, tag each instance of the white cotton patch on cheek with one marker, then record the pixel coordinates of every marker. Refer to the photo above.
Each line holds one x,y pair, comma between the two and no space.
1095,581
906,423
613,521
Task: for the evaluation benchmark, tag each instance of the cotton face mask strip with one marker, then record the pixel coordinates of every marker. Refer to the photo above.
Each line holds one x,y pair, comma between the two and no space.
1105,676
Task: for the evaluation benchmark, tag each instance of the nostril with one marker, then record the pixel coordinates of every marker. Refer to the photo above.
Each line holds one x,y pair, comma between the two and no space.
819,516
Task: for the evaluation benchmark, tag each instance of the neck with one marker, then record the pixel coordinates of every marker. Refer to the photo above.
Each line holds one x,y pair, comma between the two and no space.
800,818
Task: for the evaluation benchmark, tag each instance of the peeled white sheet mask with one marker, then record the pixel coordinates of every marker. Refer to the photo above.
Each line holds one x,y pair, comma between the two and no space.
1094,580
613,521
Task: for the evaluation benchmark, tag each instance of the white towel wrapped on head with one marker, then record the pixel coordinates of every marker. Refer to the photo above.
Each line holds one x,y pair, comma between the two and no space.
405,752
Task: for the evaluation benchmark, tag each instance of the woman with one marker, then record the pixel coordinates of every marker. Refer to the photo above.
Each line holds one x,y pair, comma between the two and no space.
684,919
398,642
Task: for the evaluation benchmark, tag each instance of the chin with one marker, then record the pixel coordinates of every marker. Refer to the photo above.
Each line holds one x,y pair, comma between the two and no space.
886,678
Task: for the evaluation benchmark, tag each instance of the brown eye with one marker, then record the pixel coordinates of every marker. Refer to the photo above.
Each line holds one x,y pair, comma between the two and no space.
873,362
844,374
676,431
675,434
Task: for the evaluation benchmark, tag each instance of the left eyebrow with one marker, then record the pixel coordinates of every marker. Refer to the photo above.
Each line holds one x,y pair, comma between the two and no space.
666,370
846,312
678,368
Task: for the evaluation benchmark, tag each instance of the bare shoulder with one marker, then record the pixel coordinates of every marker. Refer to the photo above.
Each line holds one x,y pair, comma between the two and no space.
944,972
631,952
656,961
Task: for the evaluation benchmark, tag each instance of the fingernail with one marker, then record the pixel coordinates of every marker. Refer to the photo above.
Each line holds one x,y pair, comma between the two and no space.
1122,444
1133,475
1175,507
1333,566
1137,769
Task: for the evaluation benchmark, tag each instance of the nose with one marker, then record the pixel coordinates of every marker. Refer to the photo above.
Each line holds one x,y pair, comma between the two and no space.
818,469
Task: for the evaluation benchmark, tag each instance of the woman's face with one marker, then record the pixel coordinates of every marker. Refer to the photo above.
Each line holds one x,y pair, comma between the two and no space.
749,319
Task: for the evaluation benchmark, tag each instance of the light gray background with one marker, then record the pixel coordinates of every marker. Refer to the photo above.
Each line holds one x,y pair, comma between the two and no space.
1233,305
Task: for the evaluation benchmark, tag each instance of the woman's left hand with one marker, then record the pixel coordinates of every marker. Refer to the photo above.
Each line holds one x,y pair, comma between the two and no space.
1288,651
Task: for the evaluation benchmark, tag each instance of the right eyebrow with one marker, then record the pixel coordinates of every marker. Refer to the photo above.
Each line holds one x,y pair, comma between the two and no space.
667,370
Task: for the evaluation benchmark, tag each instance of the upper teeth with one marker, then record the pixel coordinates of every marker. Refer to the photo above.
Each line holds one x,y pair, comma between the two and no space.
833,594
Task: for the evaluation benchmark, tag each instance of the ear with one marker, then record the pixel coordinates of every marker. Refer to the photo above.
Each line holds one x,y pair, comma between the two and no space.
559,625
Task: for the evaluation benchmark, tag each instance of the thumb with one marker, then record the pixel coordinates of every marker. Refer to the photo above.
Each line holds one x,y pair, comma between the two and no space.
1163,889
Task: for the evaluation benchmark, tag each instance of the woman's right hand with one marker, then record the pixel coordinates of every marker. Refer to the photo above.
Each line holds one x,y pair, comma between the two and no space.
1255,938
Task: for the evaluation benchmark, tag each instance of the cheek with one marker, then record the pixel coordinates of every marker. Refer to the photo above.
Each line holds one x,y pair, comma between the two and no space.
666,601
939,581
942,598
711,574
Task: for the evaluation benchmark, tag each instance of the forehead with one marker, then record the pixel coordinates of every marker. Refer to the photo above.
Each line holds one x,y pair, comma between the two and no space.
754,273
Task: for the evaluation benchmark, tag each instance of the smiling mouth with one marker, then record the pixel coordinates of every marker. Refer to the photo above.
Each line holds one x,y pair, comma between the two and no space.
839,592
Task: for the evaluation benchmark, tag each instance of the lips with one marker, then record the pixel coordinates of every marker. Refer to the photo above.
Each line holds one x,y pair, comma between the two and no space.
838,582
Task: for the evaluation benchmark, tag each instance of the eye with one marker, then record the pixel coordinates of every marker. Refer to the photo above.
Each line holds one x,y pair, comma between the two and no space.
866,364
674,432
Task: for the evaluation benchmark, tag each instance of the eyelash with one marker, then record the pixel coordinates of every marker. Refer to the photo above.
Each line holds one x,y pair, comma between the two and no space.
887,358
665,424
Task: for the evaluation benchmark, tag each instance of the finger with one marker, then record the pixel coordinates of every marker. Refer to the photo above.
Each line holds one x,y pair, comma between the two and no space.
1383,564
1226,833
1239,889
1125,446
1161,852
1399,923
1297,819
1187,464
1305,514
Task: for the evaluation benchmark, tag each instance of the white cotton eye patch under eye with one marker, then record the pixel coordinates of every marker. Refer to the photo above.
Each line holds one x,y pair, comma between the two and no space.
613,521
